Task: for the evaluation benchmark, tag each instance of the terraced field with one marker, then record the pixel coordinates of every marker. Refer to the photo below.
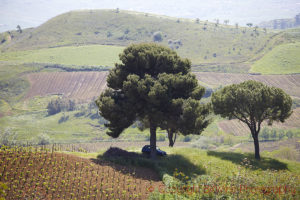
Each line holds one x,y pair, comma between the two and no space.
81,86
289,83
86,85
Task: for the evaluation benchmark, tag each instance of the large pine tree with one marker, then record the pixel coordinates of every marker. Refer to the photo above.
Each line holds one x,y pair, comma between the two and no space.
155,86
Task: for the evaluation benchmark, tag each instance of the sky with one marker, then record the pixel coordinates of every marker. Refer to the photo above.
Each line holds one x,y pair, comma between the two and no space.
32,13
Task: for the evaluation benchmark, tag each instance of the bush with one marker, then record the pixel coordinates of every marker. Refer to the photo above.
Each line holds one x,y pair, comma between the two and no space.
187,138
161,137
228,140
58,105
157,36
265,134
289,134
43,139
202,143
7,137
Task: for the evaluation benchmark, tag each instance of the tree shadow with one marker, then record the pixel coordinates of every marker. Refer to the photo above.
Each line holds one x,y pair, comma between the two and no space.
125,161
238,158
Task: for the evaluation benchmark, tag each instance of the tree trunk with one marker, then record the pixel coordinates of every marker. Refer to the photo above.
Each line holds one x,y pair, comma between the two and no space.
152,141
256,145
170,136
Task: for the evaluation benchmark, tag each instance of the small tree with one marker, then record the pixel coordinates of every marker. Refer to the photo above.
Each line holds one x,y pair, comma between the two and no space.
265,133
236,25
289,134
217,22
252,102
152,85
8,137
281,134
249,25
274,134
19,29
265,30
157,36
43,139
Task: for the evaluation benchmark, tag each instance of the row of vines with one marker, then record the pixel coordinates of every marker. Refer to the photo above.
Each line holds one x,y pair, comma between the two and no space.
44,174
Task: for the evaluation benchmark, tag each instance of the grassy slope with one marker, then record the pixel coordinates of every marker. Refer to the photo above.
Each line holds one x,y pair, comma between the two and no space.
188,167
90,55
233,47
183,167
283,59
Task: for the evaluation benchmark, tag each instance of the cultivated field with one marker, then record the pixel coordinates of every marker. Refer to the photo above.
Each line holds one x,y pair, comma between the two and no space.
82,86
33,174
289,83
86,85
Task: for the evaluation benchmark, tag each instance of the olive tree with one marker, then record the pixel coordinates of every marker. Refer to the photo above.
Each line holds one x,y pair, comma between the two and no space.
252,102
152,84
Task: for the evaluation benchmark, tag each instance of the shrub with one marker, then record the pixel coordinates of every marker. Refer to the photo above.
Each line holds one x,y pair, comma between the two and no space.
43,139
157,36
289,134
7,137
161,137
109,34
187,138
58,105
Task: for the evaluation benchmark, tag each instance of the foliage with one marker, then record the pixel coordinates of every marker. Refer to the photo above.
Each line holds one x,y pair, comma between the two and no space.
265,134
7,137
153,85
43,139
3,187
58,105
252,102
157,36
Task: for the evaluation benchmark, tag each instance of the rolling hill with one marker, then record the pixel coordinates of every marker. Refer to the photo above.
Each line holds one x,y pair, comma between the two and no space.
283,59
210,46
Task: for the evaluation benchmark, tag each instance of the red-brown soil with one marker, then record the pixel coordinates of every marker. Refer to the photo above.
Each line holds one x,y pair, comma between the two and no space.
81,86
46,175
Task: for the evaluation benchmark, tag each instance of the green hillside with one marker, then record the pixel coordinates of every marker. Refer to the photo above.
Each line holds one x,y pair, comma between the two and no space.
90,55
210,46
283,59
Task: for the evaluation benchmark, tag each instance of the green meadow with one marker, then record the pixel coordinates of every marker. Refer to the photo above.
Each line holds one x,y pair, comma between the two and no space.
90,55
283,59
